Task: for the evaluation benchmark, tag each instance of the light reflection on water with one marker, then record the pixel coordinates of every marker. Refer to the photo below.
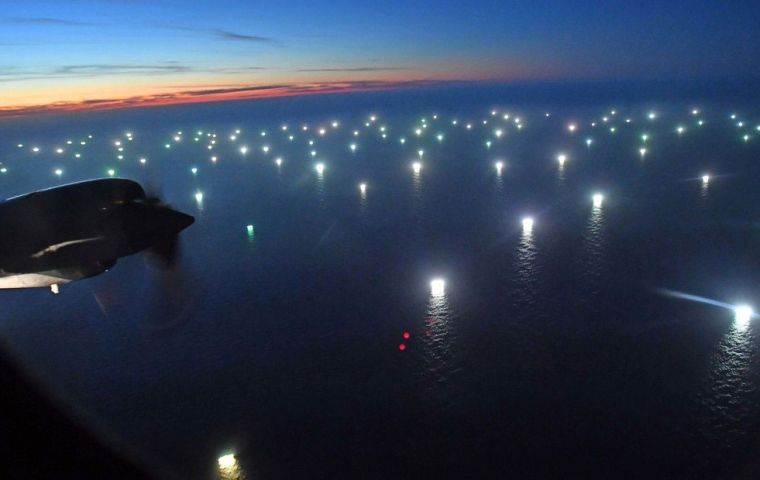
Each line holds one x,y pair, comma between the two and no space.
320,184
728,399
593,259
438,342
525,268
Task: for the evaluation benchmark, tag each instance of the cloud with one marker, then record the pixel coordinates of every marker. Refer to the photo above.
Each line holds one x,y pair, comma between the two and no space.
227,35
118,69
352,69
15,74
45,21
240,92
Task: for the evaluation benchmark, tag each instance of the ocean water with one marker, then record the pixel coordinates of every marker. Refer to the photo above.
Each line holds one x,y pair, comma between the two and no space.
565,350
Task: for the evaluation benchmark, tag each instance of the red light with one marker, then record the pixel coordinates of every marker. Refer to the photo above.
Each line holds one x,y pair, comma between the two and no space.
402,347
406,335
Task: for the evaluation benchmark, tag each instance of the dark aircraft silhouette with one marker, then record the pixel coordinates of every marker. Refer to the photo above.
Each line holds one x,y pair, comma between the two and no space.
63,234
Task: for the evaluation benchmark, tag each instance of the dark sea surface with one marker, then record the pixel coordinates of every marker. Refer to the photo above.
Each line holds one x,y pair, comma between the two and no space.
552,353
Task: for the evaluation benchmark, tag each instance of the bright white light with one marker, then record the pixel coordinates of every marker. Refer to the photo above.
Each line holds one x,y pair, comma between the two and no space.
499,132
705,179
468,126
363,188
194,170
278,161
561,158
313,153
233,137
243,149
35,149
59,150
527,224
695,112
111,172
418,132
642,151
58,172
416,167
177,138
612,129
488,143
589,142
652,115
439,137
265,149
743,314
437,287
322,131
597,198
680,130
214,159
571,128
320,168
644,137
227,462
420,152
199,196
499,166
334,124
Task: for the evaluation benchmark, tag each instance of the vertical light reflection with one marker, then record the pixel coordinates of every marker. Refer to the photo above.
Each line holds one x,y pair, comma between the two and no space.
526,254
437,348
320,184
592,262
705,187
727,398
363,198
417,192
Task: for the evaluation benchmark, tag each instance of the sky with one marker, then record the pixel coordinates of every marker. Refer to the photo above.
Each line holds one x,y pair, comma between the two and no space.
90,54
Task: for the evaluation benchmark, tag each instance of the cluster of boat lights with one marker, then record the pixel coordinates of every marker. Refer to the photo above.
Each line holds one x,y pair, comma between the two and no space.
228,463
497,128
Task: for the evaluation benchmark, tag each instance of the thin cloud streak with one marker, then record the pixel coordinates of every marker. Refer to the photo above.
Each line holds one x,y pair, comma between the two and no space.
13,74
242,92
227,35
353,69
45,21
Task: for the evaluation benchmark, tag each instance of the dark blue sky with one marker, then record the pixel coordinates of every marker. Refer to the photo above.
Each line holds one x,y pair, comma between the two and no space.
77,50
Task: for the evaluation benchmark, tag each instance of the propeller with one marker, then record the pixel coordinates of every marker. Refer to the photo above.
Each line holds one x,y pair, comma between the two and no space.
165,252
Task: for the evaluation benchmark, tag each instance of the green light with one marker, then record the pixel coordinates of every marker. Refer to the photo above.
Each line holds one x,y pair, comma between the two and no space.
111,172
250,232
